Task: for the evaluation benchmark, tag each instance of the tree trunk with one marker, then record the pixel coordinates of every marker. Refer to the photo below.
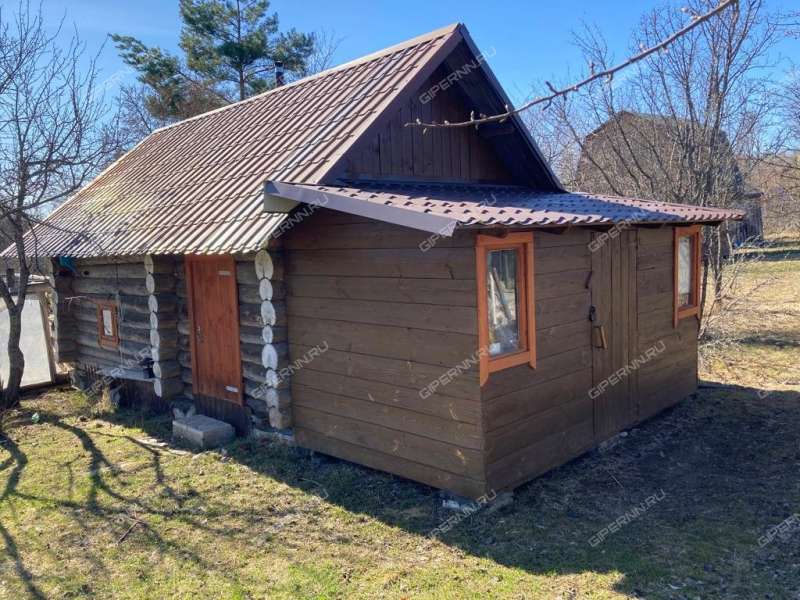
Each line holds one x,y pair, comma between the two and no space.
16,359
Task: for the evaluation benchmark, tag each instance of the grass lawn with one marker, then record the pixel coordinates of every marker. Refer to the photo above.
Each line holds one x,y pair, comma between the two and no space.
95,504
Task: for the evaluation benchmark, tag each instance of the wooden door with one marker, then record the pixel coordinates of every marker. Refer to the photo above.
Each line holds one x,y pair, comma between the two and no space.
214,318
613,317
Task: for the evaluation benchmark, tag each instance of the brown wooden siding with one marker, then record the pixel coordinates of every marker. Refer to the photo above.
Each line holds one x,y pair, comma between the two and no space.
672,375
393,319
442,154
538,419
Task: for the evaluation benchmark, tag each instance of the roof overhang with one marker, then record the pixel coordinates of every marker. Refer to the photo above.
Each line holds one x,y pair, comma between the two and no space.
440,208
283,197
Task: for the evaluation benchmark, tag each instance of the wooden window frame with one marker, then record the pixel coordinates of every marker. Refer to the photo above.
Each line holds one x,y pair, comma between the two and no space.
693,308
107,341
523,244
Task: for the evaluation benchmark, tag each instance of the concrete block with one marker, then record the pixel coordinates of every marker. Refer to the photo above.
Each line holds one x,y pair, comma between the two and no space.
202,432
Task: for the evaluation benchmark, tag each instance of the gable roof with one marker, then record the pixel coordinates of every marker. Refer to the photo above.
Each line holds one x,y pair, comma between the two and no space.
196,186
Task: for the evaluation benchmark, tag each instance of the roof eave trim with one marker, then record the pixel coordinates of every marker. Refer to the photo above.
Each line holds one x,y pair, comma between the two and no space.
430,223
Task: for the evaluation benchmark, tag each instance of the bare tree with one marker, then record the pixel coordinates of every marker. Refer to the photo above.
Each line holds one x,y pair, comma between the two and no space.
326,43
54,136
689,123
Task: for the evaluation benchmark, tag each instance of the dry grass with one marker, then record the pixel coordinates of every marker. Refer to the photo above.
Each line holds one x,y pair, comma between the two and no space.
757,341
92,504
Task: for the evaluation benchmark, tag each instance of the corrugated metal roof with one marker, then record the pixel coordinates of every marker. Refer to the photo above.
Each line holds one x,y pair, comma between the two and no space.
196,186
512,206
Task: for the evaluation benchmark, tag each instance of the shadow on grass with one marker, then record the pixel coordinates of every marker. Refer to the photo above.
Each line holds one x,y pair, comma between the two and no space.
680,502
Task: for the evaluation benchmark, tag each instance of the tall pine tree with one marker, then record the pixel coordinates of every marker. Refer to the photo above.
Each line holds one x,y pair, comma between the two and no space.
230,49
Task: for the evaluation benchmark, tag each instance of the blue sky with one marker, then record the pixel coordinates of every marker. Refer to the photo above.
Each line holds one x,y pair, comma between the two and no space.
528,41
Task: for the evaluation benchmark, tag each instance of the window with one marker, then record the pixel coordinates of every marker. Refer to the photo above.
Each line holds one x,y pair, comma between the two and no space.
687,272
506,328
107,329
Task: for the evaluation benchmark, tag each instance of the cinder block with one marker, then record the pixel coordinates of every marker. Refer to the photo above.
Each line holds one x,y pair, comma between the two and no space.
202,432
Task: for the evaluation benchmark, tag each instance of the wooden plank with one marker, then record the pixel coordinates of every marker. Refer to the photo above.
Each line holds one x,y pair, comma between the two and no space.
561,283
386,370
540,457
399,314
655,237
577,236
654,282
446,407
557,259
437,263
566,309
370,235
449,431
658,303
657,256
548,368
509,408
403,343
434,453
448,292
562,338
432,476
520,433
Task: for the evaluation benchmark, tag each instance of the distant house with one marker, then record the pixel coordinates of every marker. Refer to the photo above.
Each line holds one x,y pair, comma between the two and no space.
432,304
638,152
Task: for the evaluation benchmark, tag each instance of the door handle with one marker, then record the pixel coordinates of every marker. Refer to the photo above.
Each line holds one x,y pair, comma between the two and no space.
599,335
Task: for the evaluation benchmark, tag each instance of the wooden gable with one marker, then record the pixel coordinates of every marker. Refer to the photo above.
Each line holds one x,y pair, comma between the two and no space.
497,153
400,152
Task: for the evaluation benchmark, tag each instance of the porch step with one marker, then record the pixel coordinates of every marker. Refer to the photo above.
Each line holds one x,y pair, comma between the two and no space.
202,432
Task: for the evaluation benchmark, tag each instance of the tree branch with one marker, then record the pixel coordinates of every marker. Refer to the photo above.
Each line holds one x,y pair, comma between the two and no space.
607,74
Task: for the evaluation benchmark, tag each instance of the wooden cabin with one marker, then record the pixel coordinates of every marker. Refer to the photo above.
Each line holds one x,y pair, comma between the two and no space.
431,304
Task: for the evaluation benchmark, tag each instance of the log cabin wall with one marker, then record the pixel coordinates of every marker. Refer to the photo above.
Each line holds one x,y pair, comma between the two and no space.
262,337
162,303
121,280
386,320
399,152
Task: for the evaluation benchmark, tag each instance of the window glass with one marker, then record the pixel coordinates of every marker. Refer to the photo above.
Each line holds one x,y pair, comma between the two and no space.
685,265
108,323
503,301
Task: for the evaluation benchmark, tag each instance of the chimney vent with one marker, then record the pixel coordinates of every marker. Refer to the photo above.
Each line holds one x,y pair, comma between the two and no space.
279,79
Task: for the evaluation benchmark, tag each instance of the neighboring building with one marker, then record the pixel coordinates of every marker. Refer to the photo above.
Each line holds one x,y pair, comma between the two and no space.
640,153
432,304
